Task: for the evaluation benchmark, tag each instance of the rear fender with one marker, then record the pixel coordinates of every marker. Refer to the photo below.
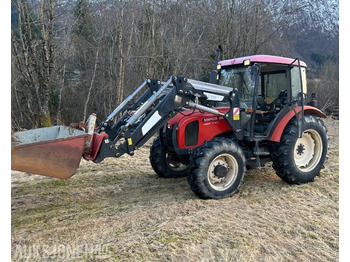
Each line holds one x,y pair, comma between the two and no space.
278,130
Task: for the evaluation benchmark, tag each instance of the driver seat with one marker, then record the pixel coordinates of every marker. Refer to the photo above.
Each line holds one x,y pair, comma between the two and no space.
269,103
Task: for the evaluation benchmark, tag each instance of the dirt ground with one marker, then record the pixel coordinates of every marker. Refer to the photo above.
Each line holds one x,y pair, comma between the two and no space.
119,210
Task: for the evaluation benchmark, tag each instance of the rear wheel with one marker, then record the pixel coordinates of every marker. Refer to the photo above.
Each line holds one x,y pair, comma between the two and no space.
165,163
218,169
298,160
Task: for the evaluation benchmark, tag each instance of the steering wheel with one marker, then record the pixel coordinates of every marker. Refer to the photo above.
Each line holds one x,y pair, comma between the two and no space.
280,100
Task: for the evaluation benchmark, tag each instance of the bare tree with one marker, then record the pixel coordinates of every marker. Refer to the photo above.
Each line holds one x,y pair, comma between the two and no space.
33,51
326,86
73,58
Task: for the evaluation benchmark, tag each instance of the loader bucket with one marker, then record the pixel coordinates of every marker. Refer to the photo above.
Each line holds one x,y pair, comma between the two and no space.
51,151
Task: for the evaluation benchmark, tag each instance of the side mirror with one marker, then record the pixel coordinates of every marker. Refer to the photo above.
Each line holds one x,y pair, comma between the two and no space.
301,99
313,101
214,79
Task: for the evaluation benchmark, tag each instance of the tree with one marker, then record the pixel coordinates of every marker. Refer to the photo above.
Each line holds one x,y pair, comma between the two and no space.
70,58
326,86
34,56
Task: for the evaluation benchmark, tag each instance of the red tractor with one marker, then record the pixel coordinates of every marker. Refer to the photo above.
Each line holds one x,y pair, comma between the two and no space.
263,116
254,110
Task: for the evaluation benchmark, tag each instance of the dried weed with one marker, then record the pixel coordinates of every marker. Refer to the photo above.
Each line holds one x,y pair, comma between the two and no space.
121,205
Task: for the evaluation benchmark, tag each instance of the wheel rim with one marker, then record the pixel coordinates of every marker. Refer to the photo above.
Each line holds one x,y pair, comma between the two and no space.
308,150
222,172
174,165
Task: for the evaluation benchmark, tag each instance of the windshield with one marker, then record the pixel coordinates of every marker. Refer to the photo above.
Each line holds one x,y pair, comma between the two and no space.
241,80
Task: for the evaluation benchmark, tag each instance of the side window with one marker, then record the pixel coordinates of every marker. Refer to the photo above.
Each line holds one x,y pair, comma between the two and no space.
295,81
275,83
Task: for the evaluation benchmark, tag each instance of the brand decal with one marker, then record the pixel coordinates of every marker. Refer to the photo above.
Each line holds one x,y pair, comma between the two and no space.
214,118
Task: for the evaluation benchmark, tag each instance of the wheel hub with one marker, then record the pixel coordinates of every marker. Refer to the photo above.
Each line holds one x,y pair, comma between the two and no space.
300,149
220,171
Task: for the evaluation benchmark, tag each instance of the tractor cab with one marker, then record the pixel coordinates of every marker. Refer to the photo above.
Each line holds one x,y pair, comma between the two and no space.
268,88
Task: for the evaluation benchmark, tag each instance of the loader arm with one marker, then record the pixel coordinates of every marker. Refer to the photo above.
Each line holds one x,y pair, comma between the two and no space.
152,110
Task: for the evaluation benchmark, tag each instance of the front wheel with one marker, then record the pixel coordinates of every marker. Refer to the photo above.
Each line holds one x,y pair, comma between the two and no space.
166,164
218,169
298,160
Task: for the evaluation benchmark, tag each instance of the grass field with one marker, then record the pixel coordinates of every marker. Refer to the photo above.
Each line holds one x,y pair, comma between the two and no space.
119,210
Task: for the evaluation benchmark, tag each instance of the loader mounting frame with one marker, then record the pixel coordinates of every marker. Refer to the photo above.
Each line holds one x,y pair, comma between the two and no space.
151,111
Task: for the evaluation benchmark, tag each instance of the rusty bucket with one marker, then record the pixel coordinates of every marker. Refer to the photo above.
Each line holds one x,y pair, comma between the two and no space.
51,151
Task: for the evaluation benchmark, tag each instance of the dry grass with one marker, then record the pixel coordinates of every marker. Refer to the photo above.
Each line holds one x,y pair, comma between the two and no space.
121,206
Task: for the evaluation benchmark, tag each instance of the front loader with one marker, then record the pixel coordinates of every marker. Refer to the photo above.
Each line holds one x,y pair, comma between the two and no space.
255,110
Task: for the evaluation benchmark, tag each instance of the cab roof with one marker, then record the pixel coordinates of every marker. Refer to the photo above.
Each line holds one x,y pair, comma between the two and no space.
262,59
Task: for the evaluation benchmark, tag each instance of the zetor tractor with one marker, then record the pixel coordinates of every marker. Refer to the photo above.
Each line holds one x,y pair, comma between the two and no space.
254,110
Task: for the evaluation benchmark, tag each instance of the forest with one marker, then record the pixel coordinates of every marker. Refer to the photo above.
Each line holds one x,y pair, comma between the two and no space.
72,58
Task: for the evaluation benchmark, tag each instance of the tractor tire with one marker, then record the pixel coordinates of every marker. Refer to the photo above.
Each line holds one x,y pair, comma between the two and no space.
163,165
217,169
299,160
